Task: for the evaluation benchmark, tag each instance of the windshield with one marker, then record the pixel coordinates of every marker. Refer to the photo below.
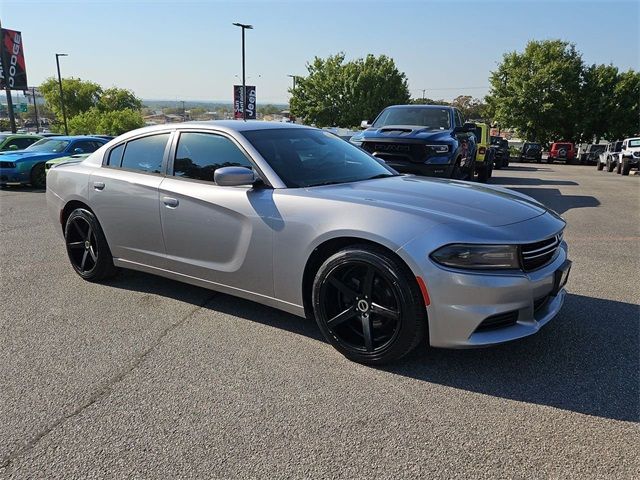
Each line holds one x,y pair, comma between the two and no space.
433,118
50,145
634,142
307,157
532,146
2,137
478,133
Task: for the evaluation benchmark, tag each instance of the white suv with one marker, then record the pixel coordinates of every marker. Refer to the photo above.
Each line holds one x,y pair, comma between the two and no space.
609,157
629,155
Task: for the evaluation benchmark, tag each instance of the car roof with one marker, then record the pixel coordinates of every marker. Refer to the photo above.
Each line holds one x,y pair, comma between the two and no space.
420,105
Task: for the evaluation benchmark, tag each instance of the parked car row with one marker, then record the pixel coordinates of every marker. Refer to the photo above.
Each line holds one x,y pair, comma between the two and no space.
621,156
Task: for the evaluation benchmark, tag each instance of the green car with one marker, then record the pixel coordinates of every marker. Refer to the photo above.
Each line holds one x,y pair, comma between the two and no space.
75,157
11,142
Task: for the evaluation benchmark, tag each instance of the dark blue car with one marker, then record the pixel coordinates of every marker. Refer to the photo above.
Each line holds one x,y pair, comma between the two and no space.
27,166
428,140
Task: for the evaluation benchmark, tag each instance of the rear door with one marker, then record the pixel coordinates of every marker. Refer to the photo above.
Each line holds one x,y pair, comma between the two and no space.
124,196
220,234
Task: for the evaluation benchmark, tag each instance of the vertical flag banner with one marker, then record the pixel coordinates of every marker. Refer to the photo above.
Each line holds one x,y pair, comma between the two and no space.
238,102
13,71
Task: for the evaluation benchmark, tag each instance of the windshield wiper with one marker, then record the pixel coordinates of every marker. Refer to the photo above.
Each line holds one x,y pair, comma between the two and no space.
381,175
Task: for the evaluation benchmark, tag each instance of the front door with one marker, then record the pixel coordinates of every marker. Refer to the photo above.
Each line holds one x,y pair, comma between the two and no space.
220,234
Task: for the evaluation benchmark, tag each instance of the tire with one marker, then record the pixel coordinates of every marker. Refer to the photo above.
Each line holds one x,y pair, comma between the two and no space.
609,165
38,177
364,288
483,173
626,166
599,165
87,247
618,167
458,173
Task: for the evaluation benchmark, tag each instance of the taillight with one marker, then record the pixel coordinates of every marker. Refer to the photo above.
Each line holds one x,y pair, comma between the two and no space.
482,150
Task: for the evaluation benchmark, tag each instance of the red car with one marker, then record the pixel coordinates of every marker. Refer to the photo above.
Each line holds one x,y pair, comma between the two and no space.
562,151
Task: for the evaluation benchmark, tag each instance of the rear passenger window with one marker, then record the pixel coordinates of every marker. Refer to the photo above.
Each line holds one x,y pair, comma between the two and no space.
144,154
115,156
199,155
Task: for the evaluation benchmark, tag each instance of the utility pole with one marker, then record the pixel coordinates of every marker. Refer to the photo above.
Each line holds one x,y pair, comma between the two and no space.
183,115
35,108
7,89
64,112
244,27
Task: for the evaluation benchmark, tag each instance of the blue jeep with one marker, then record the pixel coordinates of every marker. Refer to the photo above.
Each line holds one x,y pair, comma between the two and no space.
428,140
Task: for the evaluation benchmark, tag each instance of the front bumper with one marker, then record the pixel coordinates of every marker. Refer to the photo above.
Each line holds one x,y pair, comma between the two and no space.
461,302
13,176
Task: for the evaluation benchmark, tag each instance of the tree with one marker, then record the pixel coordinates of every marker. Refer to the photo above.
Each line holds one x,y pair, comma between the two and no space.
471,108
625,118
537,92
118,99
115,122
598,101
79,95
335,93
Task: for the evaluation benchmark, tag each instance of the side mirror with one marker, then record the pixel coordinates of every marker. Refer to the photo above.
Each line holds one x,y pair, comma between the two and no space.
77,151
234,176
365,124
13,147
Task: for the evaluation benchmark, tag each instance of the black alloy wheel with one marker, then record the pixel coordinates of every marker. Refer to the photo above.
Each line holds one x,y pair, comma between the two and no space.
87,247
38,176
368,305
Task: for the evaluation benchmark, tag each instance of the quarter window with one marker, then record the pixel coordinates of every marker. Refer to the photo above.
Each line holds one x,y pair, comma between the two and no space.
143,154
199,155
115,156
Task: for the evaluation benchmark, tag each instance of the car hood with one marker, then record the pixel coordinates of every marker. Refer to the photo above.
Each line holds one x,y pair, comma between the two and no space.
24,156
442,201
402,132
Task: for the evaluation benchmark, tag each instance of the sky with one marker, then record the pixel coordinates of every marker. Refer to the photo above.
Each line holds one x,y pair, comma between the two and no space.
189,50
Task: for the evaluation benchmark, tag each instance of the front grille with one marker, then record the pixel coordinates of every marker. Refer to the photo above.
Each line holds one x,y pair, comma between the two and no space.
403,152
536,255
501,320
7,165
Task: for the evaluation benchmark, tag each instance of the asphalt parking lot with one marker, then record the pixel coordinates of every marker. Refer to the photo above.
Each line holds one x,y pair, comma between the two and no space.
148,378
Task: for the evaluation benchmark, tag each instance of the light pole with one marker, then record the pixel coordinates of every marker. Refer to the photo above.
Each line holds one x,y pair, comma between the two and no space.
35,108
64,112
294,80
423,90
244,27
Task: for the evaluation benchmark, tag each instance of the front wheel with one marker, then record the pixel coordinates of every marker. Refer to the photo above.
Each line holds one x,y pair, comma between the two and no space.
626,167
38,176
599,165
618,167
87,246
368,305
610,165
483,172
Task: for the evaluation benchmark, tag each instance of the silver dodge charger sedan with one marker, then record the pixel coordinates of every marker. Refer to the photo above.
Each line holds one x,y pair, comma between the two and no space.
298,219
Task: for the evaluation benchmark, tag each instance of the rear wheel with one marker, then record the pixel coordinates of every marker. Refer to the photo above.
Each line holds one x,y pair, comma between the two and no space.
609,165
599,165
618,167
483,172
368,305
87,247
38,176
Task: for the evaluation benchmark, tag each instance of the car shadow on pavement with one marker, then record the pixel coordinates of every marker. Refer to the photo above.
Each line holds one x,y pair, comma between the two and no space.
555,200
585,360
21,188
507,181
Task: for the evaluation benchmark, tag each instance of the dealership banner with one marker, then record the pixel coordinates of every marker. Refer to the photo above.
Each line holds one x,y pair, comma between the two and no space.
13,71
238,102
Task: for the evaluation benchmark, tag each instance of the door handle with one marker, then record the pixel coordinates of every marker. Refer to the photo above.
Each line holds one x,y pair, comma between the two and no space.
170,202
98,185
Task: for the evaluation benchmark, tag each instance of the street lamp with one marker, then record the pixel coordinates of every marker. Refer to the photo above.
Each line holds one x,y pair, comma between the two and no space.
64,113
294,80
244,27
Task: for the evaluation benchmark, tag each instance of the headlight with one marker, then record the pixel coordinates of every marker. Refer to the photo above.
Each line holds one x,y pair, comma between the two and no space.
357,141
478,257
439,148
